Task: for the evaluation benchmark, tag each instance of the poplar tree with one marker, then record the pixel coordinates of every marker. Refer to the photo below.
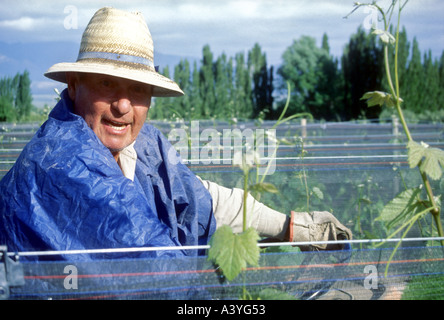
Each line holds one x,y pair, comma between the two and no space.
441,83
206,83
8,87
6,110
330,86
412,94
222,88
182,78
362,67
15,97
195,95
430,86
23,99
243,106
163,107
262,82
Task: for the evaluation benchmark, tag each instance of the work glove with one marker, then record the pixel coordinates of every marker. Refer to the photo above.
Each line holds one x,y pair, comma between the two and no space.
317,226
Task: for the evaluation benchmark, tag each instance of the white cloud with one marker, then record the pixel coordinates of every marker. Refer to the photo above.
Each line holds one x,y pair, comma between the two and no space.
183,27
3,58
43,85
40,100
23,23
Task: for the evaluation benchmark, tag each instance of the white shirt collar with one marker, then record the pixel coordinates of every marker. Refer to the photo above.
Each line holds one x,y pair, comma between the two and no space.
127,161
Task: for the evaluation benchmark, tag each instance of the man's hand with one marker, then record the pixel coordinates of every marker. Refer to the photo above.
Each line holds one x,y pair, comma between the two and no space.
317,226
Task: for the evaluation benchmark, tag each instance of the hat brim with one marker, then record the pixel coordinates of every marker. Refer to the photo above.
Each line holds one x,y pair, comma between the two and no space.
162,86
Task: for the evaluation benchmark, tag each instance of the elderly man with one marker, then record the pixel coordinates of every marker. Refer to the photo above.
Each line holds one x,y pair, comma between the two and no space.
96,176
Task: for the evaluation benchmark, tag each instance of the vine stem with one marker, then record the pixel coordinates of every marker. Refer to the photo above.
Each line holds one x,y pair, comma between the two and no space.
435,211
244,222
246,171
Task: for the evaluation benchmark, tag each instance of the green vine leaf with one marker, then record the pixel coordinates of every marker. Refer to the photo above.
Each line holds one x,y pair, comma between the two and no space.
379,98
430,160
318,193
264,187
232,252
273,294
404,205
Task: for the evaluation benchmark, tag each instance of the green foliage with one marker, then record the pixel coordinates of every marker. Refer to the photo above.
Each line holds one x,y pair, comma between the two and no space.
261,187
430,287
407,208
362,69
331,92
220,87
379,98
273,294
403,212
420,76
15,97
262,78
402,207
313,75
242,87
232,252
23,100
428,159
6,110
318,193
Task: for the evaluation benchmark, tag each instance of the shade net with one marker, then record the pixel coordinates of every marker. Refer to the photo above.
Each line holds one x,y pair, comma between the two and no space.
360,274
358,167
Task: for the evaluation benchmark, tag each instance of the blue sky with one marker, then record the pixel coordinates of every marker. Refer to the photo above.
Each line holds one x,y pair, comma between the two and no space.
36,34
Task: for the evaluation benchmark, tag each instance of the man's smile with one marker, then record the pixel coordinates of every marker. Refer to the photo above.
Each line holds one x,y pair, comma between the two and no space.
114,125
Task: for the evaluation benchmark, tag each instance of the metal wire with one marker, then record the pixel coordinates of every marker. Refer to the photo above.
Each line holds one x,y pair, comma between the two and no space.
203,247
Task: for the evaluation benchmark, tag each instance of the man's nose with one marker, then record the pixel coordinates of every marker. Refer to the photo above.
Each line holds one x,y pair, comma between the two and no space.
122,104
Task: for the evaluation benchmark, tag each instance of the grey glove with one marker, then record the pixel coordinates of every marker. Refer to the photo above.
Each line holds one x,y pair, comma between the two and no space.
317,226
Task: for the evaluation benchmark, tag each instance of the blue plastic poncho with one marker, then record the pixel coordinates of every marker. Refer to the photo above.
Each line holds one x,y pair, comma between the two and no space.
67,192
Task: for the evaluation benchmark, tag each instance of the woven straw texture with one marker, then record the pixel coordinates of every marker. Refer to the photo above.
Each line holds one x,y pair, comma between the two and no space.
118,43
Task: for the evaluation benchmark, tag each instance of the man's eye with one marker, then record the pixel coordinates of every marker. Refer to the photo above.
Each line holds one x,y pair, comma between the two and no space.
106,83
138,89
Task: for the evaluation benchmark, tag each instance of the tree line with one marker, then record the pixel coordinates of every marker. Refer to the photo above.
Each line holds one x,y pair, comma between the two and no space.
238,87
15,97
245,87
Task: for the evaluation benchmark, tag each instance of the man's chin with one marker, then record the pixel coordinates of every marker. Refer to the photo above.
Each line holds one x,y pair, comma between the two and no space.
115,146
115,151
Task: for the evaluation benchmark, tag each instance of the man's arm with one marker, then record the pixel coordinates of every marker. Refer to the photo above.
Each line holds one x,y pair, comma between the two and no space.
297,227
228,210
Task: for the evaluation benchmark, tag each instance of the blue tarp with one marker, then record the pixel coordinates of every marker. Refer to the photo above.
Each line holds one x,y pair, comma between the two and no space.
66,192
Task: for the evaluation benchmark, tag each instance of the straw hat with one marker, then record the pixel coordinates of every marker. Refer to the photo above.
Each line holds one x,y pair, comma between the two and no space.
118,43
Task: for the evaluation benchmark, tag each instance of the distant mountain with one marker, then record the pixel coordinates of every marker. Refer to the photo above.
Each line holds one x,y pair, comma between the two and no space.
162,60
35,57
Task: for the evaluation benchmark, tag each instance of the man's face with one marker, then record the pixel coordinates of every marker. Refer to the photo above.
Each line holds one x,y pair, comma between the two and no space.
114,108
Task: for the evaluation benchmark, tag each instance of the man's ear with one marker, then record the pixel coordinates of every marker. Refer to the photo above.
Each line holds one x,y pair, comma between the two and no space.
71,80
